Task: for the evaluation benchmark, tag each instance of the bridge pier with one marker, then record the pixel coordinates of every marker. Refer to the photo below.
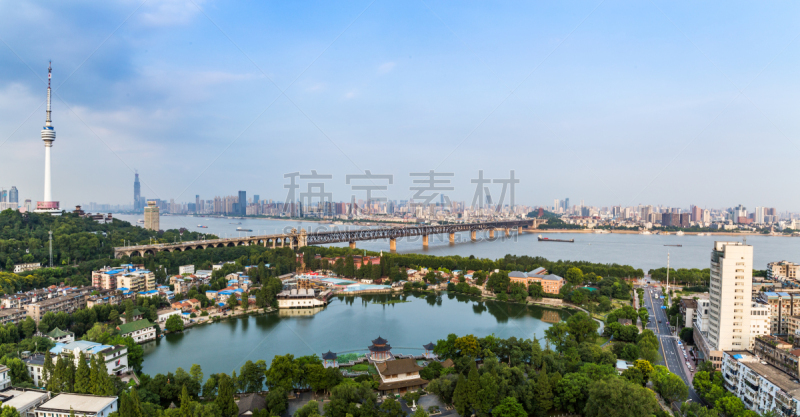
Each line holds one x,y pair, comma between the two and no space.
393,245
352,245
519,230
425,241
473,234
491,233
452,238
508,232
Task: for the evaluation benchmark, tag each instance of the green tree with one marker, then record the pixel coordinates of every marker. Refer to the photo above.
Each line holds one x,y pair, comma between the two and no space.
83,376
186,403
669,385
617,397
113,317
174,323
28,327
225,402
572,391
392,408
543,392
461,396
197,374
468,346
9,411
283,372
509,407
574,276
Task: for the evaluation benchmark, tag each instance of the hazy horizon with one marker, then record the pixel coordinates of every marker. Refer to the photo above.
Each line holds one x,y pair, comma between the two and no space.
657,103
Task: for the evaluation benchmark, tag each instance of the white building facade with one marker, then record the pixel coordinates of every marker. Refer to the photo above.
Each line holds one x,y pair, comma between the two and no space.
761,387
731,285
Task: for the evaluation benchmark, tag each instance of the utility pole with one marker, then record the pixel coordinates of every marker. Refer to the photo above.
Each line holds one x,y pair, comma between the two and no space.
51,248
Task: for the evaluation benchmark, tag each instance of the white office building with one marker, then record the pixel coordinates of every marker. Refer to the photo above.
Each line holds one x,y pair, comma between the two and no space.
731,285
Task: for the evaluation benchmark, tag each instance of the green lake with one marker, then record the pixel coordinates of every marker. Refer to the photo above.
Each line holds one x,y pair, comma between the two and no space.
347,324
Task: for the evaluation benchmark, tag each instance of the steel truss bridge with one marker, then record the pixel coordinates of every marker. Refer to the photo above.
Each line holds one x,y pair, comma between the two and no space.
302,238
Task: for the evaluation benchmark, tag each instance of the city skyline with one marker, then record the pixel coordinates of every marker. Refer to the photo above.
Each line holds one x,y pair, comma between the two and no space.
354,89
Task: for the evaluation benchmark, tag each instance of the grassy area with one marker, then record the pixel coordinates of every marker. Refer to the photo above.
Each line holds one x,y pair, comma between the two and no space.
600,340
361,367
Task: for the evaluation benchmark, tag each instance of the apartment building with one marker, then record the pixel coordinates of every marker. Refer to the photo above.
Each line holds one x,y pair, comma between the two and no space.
783,305
730,293
66,303
137,281
778,353
783,270
12,315
760,386
760,321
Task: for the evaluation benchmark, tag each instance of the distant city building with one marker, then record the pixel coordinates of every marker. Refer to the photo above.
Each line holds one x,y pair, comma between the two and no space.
32,266
13,195
137,193
151,216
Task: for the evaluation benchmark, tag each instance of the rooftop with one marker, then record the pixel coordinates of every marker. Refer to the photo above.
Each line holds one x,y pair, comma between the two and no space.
134,326
772,374
398,366
81,403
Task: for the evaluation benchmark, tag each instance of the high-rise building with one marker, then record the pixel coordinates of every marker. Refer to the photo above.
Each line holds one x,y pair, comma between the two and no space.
242,203
731,285
197,205
151,219
566,204
759,215
13,195
697,214
48,136
137,193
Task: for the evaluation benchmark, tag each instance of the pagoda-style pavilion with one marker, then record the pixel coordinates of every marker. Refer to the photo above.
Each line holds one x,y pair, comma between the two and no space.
380,350
429,350
329,360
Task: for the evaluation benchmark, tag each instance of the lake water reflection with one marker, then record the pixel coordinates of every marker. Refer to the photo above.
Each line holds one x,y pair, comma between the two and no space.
346,324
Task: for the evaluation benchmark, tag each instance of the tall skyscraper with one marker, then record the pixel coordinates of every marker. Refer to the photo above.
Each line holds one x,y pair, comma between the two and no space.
731,286
151,216
197,205
13,195
48,136
137,193
242,203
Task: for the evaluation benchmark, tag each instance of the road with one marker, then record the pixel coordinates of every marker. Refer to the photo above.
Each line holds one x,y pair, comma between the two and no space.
670,351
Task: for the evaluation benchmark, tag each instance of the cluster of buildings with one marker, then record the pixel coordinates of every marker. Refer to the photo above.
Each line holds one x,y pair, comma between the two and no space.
37,303
749,330
648,216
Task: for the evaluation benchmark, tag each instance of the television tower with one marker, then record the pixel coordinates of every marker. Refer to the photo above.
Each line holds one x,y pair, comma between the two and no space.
48,136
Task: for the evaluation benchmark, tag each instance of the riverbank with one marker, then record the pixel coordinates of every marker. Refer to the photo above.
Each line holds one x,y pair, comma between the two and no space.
637,232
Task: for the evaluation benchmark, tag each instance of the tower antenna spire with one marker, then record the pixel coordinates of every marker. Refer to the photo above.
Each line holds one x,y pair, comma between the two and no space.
49,77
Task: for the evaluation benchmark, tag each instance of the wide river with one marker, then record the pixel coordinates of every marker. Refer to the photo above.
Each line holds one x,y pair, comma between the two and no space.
346,324
640,251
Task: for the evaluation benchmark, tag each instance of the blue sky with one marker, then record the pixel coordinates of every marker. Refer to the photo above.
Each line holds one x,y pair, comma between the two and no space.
671,103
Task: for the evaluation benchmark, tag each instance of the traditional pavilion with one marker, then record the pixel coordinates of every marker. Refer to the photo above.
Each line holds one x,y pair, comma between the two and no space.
429,350
329,360
380,350
400,376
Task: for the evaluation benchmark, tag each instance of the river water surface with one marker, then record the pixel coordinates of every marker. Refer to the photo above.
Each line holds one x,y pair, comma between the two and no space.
640,251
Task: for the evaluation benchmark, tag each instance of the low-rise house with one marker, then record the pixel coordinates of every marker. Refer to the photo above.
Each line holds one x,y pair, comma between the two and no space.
79,404
116,357
19,268
5,377
60,336
24,400
136,314
164,314
186,269
250,403
550,283
140,330
35,366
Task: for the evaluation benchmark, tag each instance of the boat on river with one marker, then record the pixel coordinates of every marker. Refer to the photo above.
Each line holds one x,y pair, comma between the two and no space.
202,227
242,229
547,239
